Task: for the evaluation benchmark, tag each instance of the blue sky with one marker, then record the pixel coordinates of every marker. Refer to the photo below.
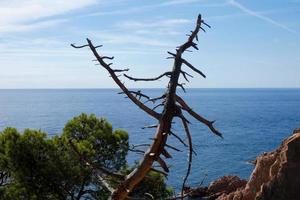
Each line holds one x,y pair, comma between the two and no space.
252,43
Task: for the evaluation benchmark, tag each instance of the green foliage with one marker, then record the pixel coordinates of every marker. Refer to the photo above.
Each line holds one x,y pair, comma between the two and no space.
95,138
153,184
35,167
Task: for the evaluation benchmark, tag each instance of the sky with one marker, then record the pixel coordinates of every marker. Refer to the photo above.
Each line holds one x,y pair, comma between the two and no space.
252,43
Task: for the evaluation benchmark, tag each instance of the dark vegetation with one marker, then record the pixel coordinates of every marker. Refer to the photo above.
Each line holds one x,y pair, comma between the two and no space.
36,167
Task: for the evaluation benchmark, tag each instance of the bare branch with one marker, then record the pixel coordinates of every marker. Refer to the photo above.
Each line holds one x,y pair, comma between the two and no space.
157,98
181,85
158,105
120,84
190,158
148,195
148,79
79,47
138,94
206,24
107,57
202,30
121,70
185,74
137,151
172,54
166,154
192,67
139,145
174,148
178,138
150,126
158,171
194,45
162,163
172,107
190,42
198,117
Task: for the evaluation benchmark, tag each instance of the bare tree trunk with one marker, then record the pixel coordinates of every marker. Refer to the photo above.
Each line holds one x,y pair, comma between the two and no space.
173,105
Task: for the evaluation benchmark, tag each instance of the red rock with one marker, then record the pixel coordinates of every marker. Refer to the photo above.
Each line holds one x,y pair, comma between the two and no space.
226,184
276,175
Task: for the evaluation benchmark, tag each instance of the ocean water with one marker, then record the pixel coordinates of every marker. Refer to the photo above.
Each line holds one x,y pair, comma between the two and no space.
252,121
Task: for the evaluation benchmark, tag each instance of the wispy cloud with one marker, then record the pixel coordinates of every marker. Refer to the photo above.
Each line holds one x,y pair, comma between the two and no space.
154,27
129,39
200,2
260,16
155,24
174,3
30,26
177,2
21,15
158,33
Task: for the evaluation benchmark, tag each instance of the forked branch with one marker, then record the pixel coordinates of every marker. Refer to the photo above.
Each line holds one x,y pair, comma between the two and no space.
117,80
172,106
208,123
138,94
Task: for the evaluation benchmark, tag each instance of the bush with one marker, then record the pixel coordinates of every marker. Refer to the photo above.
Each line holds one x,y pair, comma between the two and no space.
36,167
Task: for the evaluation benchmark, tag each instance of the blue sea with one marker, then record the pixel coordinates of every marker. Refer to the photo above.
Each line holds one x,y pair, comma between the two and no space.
252,121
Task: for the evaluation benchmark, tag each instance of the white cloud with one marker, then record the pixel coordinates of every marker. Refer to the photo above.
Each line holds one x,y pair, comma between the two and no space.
137,9
260,16
143,32
29,27
160,27
154,24
177,2
131,39
203,3
17,15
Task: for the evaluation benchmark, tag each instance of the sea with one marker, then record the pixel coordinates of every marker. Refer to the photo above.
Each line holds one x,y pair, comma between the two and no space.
252,121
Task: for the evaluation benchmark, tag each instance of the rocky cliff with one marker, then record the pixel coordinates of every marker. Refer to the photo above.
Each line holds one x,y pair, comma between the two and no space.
276,176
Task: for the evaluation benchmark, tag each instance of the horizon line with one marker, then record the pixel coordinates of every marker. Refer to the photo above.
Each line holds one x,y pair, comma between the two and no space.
94,88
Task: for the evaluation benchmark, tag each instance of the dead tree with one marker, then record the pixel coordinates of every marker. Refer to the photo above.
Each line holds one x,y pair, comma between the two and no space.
173,107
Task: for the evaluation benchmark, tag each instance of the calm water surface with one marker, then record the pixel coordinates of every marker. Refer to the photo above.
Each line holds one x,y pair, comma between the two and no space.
252,121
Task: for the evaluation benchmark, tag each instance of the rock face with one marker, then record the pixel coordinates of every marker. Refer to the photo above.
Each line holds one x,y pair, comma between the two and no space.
226,185
276,175
223,185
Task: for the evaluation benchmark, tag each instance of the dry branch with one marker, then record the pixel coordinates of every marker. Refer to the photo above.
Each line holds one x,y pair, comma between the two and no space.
166,154
190,158
168,74
163,165
138,94
150,126
178,138
121,70
153,100
198,117
120,84
174,148
79,47
171,109
192,67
